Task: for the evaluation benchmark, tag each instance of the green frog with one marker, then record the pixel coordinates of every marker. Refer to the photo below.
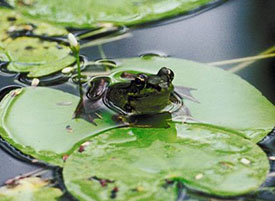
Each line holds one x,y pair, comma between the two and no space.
143,94
132,94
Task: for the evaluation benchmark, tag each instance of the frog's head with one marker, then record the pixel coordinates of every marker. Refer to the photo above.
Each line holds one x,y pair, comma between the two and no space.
145,94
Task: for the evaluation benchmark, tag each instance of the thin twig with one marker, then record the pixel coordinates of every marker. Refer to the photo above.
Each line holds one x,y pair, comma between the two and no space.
240,60
245,64
36,172
246,61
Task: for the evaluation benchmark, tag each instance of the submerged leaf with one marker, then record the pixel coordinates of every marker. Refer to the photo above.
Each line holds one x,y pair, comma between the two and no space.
139,162
90,12
30,188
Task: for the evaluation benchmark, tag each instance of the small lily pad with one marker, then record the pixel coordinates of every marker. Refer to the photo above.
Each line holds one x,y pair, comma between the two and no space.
139,162
31,188
38,57
27,54
13,24
39,122
90,12
225,100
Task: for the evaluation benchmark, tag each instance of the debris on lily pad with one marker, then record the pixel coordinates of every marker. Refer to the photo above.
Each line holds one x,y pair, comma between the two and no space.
138,163
30,188
90,12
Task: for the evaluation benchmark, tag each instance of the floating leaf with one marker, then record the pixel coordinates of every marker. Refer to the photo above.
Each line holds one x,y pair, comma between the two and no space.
139,162
31,188
39,122
36,56
33,55
14,24
88,13
225,100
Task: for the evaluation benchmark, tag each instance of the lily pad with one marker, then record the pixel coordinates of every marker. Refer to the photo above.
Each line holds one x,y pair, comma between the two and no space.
38,57
225,100
33,55
13,23
31,188
90,12
138,163
39,122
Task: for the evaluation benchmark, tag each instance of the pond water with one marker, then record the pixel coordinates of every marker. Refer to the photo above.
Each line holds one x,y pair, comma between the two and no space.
233,30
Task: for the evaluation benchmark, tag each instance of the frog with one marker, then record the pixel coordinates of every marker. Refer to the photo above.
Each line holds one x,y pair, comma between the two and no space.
143,94
133,96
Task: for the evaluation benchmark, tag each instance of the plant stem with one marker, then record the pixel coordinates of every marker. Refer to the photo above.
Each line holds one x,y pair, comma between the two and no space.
101,51
78,66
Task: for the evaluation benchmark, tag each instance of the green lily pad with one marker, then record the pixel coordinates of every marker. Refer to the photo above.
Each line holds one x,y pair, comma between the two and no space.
226,100
35,123
39,122
33,55
138,163
11,21
90,12
36,56
31,188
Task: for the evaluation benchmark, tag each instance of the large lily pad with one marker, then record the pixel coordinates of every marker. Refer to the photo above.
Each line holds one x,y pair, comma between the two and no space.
226,100
138,163
89,12
35,123
31,188
39,122
33,55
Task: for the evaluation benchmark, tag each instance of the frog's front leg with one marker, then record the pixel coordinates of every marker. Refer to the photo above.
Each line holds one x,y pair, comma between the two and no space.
91,104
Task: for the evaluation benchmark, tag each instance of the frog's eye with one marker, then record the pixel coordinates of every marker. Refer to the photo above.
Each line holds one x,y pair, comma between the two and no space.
141,81
167,73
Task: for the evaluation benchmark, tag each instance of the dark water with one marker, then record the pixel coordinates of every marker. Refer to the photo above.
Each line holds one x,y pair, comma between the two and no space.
237,28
